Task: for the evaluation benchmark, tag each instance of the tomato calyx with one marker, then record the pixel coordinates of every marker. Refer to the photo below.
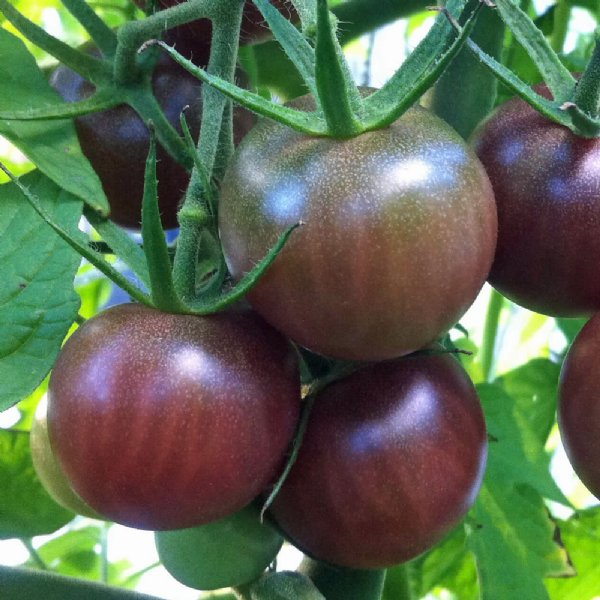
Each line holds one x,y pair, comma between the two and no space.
341,112
573,104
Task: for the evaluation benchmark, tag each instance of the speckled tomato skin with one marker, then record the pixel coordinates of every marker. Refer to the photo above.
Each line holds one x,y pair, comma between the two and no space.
546,182
168,421
398,233
579,405
392,459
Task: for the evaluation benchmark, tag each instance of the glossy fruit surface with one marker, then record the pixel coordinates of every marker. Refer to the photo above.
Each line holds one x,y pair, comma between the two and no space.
579,405
116,142
392,459
49,470
168,421
398,233
547,186
228,552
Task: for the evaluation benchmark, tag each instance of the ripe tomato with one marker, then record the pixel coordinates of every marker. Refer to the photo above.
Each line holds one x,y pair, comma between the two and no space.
116,141
392,459
398,235
48,469
579,405
546,181
166,421
228,552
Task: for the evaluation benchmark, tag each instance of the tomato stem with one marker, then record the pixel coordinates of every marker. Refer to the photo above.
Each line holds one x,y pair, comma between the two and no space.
587,93
104,37
78,61
155,246
35,556
338,96
492,321
562,15
466,91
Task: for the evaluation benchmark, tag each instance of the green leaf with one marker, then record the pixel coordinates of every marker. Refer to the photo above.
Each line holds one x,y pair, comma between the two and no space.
510,530
26,584
51,145
581,536
447,566
512,538
284,585
533,386
26,509
37,300
516,453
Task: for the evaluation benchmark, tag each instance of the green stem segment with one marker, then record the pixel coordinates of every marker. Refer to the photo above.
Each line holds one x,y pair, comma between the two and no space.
492,321
336,90
74,59
562,16
466,92
104,37
37,559
222,63
155,245
587,93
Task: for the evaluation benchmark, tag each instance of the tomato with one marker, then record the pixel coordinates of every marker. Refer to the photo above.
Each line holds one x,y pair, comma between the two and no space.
579,405
398,233
167,421
48,469
392,459
197,34
546,181
116,141
228,552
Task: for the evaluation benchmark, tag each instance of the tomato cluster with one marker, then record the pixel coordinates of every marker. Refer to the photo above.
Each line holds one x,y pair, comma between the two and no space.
180,423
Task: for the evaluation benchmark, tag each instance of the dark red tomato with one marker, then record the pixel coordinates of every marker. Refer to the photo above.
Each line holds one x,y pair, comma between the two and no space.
392,459
117,141
579,405
546,181
197,35
398,235
167,421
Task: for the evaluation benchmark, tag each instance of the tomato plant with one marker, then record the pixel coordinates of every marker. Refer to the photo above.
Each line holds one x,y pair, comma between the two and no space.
362,227
398,233
228,552
579,405
206,409
545,181
392,459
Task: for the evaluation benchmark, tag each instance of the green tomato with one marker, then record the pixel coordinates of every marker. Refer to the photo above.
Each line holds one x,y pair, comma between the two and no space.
228,552
48,469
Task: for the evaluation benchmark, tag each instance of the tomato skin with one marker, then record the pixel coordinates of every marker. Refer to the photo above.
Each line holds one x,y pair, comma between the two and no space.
229,552
579,405
168,421
392,459
398,234
116,142
546,181
48,469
